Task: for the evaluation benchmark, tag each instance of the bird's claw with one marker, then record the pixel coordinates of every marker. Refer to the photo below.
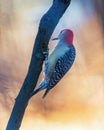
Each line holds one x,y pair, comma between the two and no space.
46,64
45,53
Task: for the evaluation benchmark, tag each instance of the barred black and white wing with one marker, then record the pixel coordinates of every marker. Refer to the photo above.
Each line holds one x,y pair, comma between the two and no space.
63,64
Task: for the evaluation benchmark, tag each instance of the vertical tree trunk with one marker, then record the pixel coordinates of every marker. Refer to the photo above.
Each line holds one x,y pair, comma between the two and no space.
46,28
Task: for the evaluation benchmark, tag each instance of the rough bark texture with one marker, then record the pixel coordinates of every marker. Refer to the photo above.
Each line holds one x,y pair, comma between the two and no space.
46,27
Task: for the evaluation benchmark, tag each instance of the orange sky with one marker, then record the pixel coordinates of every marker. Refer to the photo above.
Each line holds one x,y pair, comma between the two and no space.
77,101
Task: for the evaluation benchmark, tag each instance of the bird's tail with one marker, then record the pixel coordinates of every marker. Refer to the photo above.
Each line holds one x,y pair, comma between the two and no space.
36,91
46,92
43,85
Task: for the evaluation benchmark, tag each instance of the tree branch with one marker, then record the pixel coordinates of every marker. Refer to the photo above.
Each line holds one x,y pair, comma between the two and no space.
46,28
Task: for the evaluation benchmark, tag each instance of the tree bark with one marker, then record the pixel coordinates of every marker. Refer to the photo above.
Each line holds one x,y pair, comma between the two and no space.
46,27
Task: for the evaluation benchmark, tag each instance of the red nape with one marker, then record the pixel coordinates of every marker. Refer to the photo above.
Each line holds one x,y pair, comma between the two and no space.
68,37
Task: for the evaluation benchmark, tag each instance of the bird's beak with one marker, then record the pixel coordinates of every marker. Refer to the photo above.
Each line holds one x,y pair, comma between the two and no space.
56,38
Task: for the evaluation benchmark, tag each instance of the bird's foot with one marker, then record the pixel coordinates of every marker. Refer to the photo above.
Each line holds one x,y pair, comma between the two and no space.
46,64
45,53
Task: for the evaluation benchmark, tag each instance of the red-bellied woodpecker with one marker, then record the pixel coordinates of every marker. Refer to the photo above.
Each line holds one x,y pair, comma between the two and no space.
59,61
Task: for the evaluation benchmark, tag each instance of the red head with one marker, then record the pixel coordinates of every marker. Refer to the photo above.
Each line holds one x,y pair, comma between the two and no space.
66,36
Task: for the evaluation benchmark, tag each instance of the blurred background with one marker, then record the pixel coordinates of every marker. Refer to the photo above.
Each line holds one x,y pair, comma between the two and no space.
77,103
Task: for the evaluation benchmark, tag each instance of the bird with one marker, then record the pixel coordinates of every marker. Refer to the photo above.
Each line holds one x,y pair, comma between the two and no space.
59,61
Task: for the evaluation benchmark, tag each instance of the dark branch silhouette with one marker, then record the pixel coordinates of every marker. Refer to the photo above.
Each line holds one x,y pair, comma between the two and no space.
46,27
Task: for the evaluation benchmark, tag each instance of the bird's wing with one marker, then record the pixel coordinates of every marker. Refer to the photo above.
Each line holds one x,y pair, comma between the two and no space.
62,66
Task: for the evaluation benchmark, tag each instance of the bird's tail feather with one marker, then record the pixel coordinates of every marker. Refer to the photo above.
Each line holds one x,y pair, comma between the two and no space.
36,91
46,92
43,85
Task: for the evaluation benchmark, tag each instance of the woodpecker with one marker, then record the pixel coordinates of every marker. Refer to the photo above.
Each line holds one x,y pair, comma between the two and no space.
59,61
